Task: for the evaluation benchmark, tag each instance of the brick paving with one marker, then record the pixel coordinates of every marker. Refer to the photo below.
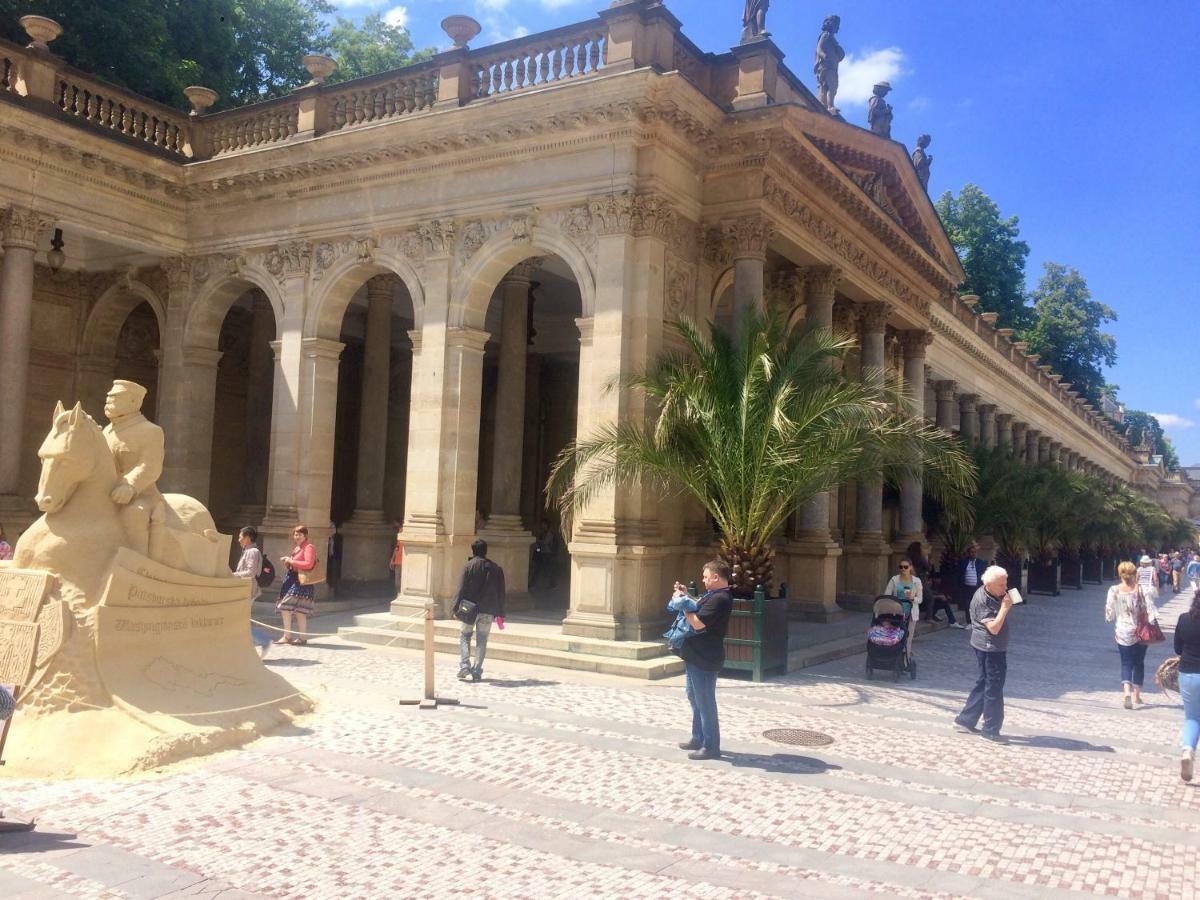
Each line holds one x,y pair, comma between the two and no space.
547,783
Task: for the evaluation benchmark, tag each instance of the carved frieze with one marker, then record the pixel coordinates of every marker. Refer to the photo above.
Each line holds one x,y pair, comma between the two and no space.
748,236
289,260
326,253
22,227
680,287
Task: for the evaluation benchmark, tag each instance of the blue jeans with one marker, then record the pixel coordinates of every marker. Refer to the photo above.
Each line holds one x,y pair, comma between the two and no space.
702,694
1189,690
482,627
987,697
1133,664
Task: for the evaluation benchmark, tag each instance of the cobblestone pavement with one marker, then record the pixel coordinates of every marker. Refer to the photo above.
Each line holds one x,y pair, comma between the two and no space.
546,783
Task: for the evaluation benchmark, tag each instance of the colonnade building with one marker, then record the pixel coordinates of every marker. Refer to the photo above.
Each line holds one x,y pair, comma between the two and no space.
394,300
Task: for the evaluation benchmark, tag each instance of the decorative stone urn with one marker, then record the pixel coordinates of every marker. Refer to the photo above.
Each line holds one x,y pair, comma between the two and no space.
201,98
319,67
461,29
42,30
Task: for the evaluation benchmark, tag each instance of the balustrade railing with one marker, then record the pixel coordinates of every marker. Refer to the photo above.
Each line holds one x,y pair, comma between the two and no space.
7,73
256,126
107,107
541,59
376,100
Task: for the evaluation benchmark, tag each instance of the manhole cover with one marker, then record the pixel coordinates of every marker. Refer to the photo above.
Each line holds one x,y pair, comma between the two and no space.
798,737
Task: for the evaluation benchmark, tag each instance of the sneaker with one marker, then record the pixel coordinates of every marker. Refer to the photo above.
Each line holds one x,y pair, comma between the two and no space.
475,676
1187,762
1128,702
689,745
964,727
704,754
994,736
959,625
464,674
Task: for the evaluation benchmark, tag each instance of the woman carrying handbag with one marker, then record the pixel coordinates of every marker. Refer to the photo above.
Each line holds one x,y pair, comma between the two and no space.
1135,618
296,592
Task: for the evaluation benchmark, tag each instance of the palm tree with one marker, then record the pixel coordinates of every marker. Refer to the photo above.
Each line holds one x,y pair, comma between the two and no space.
754,427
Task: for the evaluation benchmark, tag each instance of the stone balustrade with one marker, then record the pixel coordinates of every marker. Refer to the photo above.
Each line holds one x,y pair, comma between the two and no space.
539,60
381,98
107,107
250,127
7,73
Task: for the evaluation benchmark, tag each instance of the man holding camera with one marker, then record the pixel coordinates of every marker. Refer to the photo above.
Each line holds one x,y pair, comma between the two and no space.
989,638
703,652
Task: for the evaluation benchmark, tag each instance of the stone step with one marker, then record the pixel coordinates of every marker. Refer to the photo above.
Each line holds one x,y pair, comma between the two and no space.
446,642
542,636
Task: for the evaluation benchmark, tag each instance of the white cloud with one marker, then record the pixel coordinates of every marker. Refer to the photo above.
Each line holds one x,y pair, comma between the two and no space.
1170,420
397,16
492,5
919,104
359,4
859,73
558,4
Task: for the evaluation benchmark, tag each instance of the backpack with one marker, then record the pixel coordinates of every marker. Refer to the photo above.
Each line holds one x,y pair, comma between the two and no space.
266,577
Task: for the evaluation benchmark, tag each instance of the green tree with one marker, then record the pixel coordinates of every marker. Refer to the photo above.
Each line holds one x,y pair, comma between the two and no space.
754,427
1066,330
991,252
374,46
1143,427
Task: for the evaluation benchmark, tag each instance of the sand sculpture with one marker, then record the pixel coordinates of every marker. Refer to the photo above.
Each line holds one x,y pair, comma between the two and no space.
119,619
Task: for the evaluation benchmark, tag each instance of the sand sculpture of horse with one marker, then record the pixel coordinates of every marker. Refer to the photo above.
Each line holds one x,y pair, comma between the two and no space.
80,529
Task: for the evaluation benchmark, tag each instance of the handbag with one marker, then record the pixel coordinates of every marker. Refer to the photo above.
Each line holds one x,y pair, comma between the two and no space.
1147,632
466,611
1167,676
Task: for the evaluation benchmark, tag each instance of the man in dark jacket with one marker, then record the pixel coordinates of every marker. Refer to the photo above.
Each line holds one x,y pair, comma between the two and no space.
703,652
970,576
482,583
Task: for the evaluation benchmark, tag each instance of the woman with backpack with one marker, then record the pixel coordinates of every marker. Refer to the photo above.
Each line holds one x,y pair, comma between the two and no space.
250,565
1129,606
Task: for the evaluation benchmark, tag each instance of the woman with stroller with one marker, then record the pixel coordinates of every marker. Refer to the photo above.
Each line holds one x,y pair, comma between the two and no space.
906,587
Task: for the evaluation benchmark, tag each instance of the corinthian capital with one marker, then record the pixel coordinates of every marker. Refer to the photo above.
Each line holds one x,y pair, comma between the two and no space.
21,227
873,315
748,236
915,341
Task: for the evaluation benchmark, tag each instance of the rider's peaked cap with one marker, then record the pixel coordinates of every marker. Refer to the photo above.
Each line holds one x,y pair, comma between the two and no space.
131,387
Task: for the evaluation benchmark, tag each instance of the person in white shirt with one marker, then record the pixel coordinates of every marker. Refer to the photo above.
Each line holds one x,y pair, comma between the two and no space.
1127,605
906,587
1147,578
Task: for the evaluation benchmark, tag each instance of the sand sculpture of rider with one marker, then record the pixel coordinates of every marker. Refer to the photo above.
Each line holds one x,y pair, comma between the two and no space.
137,444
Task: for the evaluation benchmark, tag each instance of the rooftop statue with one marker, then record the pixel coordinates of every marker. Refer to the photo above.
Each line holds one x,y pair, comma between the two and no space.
879,111
829,55
754,19
120,622
922,161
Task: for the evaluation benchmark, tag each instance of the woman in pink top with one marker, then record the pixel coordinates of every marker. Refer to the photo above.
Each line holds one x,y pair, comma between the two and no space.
6,550
295,597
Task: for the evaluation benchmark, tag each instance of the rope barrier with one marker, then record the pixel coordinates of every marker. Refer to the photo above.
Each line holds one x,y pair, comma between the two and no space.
414,620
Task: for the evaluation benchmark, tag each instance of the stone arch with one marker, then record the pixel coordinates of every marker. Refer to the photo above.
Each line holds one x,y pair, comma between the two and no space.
104,324
342,281
206,314
722,289
487,267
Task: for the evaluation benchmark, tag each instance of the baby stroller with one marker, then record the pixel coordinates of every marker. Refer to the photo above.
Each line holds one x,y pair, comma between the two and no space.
887,638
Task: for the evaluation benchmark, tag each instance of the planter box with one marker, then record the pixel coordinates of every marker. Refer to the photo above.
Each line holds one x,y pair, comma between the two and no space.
1016,572
757,640
1045,578
1093,570
1071,573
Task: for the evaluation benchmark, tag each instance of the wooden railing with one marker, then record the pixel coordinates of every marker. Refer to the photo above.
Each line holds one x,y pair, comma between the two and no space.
539,60
255,126
109,108
380,99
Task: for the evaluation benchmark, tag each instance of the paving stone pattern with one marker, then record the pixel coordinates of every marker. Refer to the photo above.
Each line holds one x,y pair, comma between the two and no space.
547,783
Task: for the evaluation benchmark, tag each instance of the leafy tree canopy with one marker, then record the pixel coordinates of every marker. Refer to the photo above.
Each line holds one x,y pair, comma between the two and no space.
245,50
1142,427
1066,330
992,254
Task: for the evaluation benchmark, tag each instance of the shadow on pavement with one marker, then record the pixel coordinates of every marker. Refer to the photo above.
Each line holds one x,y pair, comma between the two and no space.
523,682
289,661
1057,743
781,762
38,842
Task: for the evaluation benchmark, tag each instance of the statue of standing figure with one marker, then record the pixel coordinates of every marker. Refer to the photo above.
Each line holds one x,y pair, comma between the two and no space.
754,19
922,161
879,111
829,55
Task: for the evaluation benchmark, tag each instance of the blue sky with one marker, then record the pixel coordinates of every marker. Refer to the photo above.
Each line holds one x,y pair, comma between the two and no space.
1079,116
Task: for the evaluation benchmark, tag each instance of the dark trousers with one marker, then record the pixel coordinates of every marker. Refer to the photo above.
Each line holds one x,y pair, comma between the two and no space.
702,695
987,697
940,603
1133,663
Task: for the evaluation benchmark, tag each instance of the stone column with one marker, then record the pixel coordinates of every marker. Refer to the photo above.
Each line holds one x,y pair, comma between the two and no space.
748,238
911,488
1004,432
1043,452
20,229
1018,439
813,555
1033,439
504,531
987,425
261,369
367,536
968,419
944,414
867,556
1056,452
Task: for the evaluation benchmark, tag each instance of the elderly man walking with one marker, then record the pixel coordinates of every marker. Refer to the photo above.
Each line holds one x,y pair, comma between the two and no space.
989,638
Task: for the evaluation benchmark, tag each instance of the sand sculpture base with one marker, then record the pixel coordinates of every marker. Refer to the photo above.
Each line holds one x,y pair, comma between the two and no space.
160,669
